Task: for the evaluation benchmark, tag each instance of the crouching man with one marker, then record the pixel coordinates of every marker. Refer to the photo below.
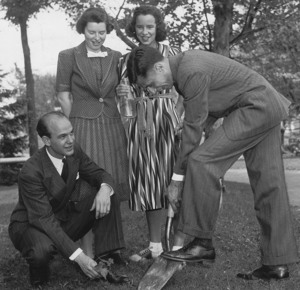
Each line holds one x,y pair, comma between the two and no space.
47,218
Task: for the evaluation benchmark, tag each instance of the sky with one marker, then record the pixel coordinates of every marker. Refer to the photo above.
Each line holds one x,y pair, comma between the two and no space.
48,34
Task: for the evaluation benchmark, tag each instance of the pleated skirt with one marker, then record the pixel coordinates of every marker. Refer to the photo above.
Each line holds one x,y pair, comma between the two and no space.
104,140
151,161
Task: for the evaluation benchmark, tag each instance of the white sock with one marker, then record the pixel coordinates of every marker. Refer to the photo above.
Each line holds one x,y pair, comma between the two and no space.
175,248
156,247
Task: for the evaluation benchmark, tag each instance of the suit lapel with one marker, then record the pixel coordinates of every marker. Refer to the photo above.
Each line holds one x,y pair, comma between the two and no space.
106,63
87,72
84,66
52,180
73,170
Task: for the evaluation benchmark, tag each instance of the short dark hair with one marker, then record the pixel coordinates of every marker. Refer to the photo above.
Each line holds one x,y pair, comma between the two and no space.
93,14
42,124
141,60
161,28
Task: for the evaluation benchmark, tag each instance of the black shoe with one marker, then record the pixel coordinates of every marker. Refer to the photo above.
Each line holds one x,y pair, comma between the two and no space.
39,275
194,251
116,258
267,273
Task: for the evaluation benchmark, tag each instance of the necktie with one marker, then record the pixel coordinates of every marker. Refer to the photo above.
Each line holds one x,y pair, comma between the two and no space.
97,54
65,170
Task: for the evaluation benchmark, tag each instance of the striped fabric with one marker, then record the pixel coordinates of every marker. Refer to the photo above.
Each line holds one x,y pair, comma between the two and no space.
151,160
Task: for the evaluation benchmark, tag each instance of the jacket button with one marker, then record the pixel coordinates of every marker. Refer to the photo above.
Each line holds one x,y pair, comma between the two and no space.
101,100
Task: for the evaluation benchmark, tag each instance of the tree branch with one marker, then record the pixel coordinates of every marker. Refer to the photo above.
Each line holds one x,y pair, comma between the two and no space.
119,33
248,23
246,34
208,27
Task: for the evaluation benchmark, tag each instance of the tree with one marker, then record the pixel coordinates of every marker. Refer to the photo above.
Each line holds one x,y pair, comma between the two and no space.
45,93
262,34
19,12
13,137
13,118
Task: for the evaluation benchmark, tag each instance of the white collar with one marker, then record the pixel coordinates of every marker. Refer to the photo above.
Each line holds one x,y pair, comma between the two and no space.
58,164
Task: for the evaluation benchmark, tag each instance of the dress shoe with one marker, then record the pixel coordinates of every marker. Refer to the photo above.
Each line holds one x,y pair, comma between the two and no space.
39,275
144,255
194,251
116,258
267,272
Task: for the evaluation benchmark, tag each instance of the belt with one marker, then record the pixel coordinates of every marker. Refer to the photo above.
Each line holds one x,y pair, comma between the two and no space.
146,125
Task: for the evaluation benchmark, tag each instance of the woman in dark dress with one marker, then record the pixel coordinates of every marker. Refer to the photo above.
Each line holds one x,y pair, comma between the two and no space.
87,76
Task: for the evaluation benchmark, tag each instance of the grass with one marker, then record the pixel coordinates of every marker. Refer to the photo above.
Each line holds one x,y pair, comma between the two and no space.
236,240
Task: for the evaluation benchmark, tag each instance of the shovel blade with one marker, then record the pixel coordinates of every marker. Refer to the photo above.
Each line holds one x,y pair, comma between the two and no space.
159,274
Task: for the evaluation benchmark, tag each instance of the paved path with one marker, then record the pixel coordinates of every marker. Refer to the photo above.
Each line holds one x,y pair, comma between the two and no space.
292,179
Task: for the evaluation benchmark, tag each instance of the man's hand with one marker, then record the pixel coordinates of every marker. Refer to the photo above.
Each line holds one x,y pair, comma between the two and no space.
174,194
102,201
87,265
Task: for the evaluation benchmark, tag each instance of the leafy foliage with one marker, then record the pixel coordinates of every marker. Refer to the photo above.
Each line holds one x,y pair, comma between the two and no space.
13,120
17,10
46,100
262,34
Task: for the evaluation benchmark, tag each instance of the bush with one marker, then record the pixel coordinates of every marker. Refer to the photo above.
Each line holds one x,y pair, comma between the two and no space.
9,173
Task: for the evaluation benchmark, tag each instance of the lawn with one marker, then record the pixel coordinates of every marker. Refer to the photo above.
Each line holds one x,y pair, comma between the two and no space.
236,240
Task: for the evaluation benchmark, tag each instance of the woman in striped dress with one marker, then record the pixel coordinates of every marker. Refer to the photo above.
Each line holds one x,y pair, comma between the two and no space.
151,134
87,76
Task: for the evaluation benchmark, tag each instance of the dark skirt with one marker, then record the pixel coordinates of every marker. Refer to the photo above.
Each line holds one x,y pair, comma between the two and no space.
103,139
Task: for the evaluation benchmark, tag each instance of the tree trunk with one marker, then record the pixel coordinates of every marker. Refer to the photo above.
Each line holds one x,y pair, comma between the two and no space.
31,113
223,10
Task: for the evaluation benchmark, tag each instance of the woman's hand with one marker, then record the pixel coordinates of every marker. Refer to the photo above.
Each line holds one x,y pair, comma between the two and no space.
122,90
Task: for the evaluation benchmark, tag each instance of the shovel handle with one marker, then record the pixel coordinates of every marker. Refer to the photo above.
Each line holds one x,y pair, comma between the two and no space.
170,211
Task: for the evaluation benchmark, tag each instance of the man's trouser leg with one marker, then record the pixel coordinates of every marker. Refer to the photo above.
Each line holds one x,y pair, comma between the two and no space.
201,194
38,249
112,232
271,203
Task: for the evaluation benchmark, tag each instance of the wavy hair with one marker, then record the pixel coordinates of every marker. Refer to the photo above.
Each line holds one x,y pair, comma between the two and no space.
94,14
161,28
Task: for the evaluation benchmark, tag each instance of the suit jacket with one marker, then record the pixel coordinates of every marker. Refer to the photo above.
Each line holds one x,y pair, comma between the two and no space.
43,194
93,87
214,86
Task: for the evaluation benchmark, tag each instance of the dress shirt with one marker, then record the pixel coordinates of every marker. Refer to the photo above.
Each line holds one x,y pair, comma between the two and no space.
178,177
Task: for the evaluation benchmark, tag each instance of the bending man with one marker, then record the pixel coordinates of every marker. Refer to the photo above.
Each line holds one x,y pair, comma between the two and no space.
213,87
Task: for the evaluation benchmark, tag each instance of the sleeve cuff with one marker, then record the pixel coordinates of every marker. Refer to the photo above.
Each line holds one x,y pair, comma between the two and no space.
112,191
178,177
75,254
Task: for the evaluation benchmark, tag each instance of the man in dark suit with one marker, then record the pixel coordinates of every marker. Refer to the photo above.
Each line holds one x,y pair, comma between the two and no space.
213,87
47,218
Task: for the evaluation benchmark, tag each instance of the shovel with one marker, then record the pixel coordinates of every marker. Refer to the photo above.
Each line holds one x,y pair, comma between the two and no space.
162,269
168,228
